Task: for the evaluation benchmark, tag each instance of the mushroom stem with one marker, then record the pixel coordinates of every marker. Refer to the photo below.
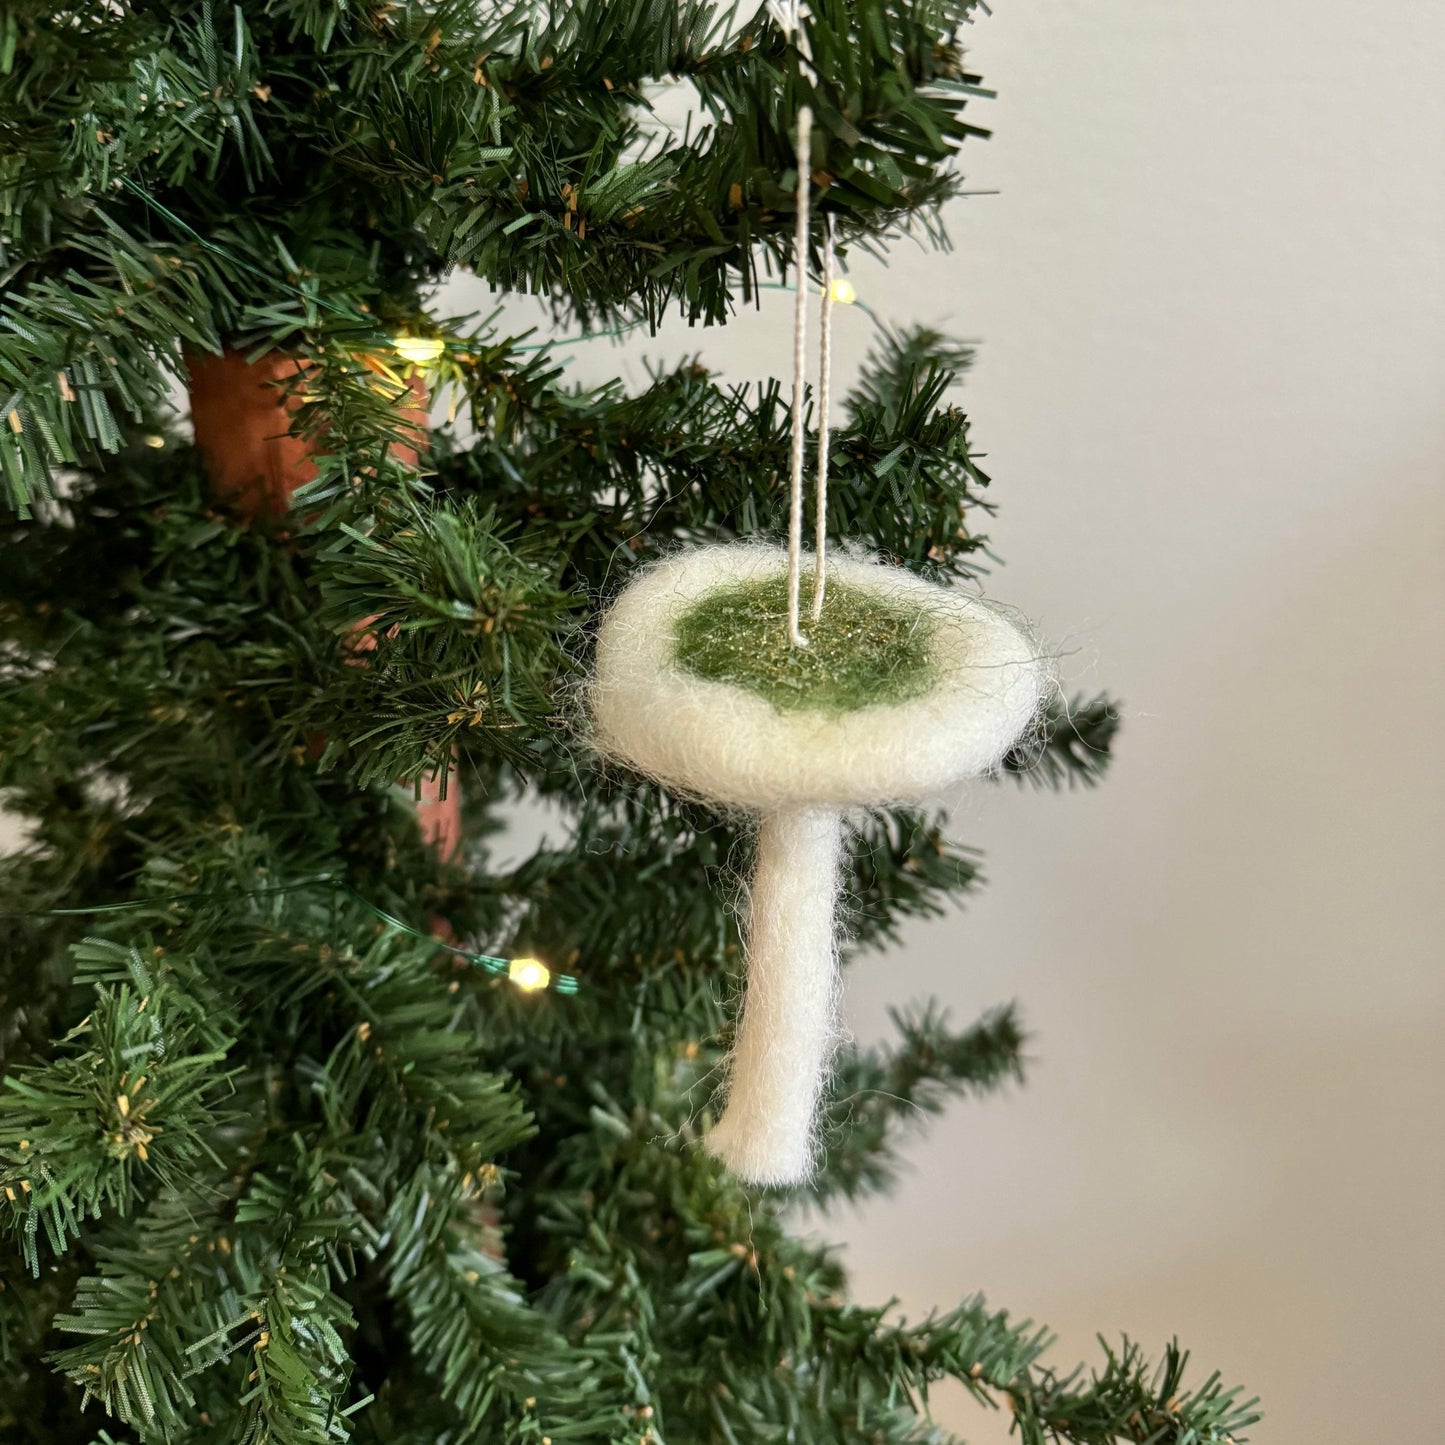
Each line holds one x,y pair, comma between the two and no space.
787,1031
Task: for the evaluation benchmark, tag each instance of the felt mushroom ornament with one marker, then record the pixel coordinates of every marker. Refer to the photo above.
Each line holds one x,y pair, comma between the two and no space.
903,688
705,680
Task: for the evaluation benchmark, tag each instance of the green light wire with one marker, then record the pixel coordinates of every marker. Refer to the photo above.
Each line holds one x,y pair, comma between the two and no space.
560,982
855,303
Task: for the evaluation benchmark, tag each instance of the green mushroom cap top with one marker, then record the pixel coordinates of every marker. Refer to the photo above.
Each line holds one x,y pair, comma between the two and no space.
906,687
864,650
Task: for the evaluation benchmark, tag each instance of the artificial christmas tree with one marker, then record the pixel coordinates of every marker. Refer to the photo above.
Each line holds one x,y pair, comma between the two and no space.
317,1123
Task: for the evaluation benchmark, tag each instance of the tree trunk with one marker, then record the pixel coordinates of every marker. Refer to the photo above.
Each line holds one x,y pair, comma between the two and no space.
242,420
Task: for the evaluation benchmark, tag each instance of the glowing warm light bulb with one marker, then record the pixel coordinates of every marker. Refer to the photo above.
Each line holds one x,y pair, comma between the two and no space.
419,350
843,291
529,974
155,441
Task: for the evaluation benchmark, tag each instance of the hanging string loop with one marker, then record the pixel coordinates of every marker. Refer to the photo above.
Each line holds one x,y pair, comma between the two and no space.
825,378
800,358
825,374
790,15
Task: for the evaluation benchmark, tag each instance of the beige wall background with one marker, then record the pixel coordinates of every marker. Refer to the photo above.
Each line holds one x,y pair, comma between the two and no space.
1210,296
1211,299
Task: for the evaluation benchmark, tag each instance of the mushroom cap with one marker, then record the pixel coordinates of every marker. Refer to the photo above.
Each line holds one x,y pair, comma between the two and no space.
725,743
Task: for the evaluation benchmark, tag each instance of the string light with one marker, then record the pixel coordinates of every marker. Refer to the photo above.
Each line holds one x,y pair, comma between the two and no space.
419,350
843,292
529,974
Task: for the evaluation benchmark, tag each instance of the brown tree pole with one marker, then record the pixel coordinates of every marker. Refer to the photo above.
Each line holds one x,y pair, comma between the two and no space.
242,417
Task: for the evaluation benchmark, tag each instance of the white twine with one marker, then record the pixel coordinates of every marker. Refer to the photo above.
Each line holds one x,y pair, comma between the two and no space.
790,16
825,376
800,347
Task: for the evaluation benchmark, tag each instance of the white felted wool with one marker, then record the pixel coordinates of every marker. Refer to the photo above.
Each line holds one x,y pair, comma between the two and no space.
729,745
798,767
787,1031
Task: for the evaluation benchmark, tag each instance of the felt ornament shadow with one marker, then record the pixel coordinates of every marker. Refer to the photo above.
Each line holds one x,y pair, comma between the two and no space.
903,688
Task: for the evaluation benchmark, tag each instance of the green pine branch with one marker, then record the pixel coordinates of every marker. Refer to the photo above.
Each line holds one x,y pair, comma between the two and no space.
130,1102
491,1358
901,866
1068,743
459,624
685,458
1001,1363
879,1093
149,170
